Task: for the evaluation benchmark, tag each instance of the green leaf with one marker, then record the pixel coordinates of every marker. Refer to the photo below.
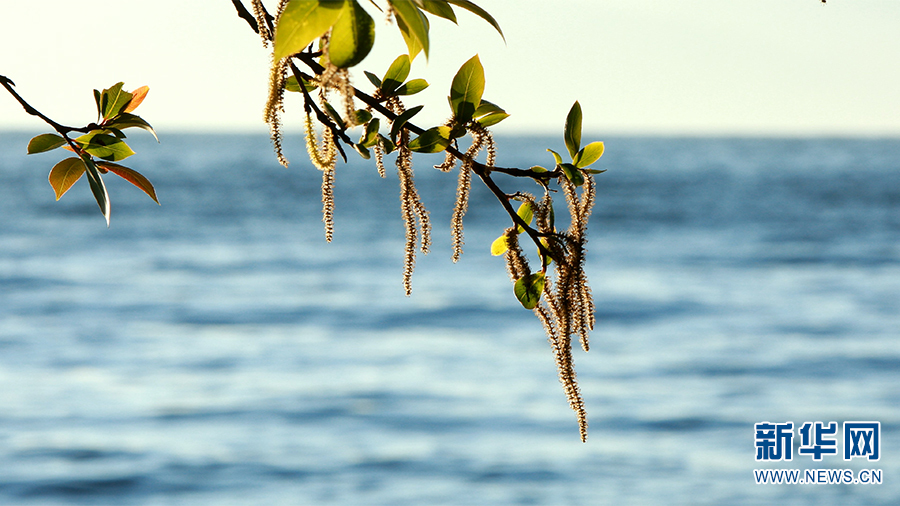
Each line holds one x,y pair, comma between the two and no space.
114,100
402,119
572,173
500,245
373,78
386,144
466,90
556,156
486,108
492,119
439,8
302,22
588,155
528,289
433,140
104,146
45,142
412,87
573,129
97,98
362,117
64,174
478,11
396,74
594,171
413,25
132,176
291,85
97,186
335,115
352,37
363,151
526,213
538,168
126,120
370,137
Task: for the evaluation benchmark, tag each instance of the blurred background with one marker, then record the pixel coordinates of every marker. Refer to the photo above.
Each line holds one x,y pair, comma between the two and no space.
744,256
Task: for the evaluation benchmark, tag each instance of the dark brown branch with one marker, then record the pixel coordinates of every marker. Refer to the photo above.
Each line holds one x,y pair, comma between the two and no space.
62,129
245,14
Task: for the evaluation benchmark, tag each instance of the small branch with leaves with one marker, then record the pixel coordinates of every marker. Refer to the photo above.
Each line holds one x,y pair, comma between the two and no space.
101,145
328,38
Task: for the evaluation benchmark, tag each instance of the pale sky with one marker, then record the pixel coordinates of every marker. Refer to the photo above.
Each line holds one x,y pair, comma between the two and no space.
683,67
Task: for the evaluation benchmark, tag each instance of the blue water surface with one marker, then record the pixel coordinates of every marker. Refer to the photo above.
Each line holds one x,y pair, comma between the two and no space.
216,351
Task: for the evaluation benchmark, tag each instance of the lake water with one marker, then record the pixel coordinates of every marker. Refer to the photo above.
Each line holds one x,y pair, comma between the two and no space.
216,351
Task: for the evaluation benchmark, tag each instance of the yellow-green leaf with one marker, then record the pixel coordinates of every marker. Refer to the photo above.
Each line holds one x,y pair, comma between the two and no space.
132,176
433,140
500,245
402,119
466,90
104,146
64,174
45,142
528,289
302,22
492,118
588,155
439,8
573,129
478,11
396,74
573,174
413,24
352,37
526,213
412,87
114,100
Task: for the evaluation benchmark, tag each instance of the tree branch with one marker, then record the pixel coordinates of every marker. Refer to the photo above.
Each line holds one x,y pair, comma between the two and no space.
62,129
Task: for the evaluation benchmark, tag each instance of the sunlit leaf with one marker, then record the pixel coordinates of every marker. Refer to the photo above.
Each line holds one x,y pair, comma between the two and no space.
114,100
466,90
64,174
138,96
492,119
411,87
396,74
572,173
45,142
573,129
594,171
132,176
528,289
500,245
439,8
352,37
588,154
402,119
371,135
291,85
302,22
97,99
556,156
104,146
127,120
485,108
478,11
413,24
526,213
433,140
97,186
363,151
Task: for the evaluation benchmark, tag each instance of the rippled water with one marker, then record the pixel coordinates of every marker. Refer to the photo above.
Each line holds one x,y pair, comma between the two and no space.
215,351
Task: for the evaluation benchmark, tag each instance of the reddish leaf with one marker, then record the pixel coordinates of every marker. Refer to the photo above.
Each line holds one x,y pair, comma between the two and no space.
139,95
132,176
